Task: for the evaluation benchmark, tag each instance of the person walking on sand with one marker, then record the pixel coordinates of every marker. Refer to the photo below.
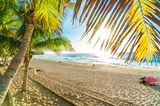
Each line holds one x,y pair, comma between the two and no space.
93,66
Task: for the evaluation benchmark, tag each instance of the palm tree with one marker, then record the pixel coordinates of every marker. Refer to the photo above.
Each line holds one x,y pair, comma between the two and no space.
42,41
135,26
42,14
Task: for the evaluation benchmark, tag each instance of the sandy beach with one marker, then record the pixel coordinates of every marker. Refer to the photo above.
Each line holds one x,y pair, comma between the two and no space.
36,94
80,53
83,85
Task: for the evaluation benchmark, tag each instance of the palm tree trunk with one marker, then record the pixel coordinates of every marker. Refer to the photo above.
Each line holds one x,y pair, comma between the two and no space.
25,75
15,64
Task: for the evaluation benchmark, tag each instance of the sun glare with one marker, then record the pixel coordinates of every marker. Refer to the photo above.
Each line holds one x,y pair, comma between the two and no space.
104,33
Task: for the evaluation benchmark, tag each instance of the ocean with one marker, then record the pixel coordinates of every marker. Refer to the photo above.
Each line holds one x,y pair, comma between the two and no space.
94,59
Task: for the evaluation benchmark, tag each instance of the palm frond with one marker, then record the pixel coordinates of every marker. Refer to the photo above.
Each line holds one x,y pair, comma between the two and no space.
8,45
46,14
96,12
8,3
11,41
133,22
142,30
8,22
53,44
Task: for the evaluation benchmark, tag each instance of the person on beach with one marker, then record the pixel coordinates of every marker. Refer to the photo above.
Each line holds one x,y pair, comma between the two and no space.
93,66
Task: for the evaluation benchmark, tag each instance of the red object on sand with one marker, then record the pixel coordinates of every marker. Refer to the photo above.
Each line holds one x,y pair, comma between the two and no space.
150,80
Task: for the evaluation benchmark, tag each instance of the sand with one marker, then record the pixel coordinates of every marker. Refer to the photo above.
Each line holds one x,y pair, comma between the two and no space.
69,83
83,85
36,95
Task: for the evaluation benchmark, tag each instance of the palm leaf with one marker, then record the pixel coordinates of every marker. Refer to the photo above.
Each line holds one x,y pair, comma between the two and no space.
46,14
143,31
53,44
8,45
134,24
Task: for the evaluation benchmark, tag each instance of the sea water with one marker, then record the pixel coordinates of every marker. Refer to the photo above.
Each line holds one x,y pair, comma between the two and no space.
95,59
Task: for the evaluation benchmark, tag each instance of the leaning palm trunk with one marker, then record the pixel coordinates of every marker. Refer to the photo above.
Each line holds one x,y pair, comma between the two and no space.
25,76
15,64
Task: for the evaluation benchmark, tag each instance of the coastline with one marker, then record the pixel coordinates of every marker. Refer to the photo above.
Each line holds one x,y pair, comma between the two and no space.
95,59
109,83
105,65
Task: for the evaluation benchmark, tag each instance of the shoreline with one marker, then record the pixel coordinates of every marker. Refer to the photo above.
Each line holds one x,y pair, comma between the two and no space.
96,60
107,64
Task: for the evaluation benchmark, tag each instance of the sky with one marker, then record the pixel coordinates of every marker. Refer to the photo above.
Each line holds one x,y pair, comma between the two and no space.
74,33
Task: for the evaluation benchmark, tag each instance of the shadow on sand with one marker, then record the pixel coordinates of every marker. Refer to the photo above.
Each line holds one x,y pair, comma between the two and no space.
155,88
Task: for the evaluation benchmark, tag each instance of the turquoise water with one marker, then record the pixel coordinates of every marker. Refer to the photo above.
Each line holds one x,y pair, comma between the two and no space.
92,58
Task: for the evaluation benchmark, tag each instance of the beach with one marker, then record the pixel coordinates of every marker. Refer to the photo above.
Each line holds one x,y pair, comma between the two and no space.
83,84
80,53
36,94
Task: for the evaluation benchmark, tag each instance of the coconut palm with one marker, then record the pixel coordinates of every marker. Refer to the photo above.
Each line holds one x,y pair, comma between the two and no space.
40,42
44,14
134,24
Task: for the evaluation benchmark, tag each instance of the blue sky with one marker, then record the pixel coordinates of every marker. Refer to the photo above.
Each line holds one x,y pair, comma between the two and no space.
74,33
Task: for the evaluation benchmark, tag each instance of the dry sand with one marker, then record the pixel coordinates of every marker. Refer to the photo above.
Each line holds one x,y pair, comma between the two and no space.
36,95
82,85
